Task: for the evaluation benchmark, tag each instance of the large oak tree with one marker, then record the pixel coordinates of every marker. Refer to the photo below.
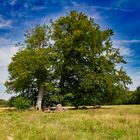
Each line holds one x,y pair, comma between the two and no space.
86,61
30,67
76,56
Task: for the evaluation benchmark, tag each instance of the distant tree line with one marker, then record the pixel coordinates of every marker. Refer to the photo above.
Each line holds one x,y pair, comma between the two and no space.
70,61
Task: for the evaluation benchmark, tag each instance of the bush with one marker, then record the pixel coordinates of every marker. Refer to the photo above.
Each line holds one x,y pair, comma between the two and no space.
11,101
21,103
3,103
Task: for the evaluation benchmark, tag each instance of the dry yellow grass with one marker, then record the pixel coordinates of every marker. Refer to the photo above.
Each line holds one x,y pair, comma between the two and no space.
111,123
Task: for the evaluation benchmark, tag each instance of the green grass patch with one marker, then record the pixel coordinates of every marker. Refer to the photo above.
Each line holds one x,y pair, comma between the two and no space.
112,123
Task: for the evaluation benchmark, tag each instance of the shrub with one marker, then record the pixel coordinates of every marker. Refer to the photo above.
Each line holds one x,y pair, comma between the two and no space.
21,103
3,103
11,101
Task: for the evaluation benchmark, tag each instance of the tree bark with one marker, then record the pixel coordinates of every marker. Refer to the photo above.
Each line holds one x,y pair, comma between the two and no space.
39,98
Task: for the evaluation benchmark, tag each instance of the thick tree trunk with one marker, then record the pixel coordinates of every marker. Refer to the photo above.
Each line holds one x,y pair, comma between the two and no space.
39,98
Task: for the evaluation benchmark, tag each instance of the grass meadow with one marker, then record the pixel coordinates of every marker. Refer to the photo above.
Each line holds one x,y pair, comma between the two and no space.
108,123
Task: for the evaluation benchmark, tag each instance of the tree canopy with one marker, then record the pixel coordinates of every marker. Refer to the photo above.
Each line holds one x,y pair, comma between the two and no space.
86,61
74,57
29,69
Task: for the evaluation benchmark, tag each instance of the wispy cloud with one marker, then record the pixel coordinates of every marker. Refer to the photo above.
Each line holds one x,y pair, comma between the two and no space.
112,8
75,4
5,42
135,78
12,2
5,23
7,50
89,10
5,57
126,41
124,51
129,53
101,7
36,8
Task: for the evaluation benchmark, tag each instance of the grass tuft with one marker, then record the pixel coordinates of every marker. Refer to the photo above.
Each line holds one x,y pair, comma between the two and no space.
113,123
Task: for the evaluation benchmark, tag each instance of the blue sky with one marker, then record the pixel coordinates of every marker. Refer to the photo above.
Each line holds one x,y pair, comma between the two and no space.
123,16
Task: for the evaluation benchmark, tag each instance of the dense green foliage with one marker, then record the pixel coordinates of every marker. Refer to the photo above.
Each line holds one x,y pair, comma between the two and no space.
85,61
136,96
70,62
28,68
29,73
20,103
124,97
11,101
3,103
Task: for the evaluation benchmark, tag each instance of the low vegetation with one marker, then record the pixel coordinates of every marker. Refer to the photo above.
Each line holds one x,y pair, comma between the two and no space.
107,123
3,103
20,103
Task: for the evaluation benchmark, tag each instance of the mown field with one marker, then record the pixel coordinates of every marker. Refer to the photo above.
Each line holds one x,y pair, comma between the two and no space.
110,123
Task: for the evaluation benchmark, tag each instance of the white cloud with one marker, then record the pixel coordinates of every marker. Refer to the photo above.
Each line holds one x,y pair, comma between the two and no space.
5,58
88,9
134,74
5,42
126,41
135,79
7,50
112,8
125,51
75,4
128,53
6,54
35,8
5,23
80,7
94,14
